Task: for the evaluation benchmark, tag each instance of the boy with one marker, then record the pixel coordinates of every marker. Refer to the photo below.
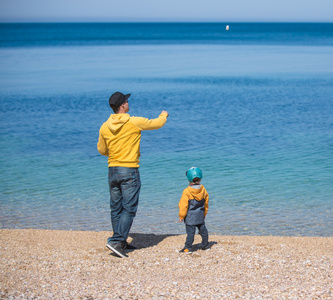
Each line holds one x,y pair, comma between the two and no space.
193,207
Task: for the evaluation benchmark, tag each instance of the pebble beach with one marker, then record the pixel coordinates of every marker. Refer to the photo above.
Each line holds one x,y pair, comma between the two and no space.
50,264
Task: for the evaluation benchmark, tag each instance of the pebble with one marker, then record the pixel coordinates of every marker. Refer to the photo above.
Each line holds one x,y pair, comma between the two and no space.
50,265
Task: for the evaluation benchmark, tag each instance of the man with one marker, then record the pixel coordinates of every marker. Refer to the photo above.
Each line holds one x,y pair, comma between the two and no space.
119,139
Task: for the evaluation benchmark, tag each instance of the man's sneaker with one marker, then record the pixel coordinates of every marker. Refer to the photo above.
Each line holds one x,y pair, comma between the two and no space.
185,250
118,248
130,247
205,248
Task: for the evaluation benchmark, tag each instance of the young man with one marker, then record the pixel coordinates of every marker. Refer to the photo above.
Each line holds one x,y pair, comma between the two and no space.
119,140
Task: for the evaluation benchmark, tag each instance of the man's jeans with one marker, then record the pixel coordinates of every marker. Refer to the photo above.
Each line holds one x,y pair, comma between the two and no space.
190,230
124,184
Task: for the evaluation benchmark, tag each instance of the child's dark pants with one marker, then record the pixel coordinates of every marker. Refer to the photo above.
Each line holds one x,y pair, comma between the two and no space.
190,230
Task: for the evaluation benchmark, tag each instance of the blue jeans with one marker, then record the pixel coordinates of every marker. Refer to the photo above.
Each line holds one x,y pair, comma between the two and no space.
190,230
124,184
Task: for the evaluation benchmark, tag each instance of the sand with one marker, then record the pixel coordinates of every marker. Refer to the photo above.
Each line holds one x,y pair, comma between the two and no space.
47,264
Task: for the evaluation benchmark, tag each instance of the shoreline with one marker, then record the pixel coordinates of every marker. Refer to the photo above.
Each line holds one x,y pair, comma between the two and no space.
56,264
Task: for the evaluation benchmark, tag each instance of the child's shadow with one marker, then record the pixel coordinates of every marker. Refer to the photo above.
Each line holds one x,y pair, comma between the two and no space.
196,247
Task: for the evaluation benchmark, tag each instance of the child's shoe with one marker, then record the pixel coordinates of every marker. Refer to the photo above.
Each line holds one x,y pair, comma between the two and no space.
185,250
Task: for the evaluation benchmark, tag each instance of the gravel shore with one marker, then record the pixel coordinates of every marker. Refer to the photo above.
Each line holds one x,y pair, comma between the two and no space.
48,264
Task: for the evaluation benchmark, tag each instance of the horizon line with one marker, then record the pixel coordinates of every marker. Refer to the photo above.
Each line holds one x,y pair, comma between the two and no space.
162,22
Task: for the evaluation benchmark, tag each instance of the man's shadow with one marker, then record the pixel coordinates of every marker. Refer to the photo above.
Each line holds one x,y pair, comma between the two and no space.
146,240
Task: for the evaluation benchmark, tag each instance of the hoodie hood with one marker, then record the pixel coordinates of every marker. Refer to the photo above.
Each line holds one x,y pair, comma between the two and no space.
197,193
116,121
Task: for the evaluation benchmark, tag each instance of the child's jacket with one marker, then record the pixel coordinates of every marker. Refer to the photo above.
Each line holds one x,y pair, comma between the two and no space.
193,205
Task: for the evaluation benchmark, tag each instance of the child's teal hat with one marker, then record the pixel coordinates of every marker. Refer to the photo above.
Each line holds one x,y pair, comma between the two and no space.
192,173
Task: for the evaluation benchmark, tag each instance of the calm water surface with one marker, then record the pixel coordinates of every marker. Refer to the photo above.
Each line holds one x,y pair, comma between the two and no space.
251,107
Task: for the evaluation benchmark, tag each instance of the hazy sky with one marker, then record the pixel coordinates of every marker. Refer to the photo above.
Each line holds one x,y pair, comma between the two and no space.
166,10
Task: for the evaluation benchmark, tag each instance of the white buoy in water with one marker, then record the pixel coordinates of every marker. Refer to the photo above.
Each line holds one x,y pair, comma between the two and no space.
227,27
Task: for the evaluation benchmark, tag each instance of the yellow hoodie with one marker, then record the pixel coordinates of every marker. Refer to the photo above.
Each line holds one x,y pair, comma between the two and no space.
193,205
119,138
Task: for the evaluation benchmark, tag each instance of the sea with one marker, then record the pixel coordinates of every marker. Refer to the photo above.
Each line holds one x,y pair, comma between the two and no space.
251,106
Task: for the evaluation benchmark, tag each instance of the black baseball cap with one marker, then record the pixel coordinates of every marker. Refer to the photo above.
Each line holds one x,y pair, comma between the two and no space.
118,99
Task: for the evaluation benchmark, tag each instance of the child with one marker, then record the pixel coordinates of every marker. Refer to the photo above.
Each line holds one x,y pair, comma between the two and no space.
193,207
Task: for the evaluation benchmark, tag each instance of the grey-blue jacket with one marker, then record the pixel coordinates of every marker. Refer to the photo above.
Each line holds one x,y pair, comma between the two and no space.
193,205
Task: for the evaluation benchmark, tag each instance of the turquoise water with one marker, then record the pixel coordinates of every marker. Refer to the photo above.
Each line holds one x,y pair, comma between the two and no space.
251,107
